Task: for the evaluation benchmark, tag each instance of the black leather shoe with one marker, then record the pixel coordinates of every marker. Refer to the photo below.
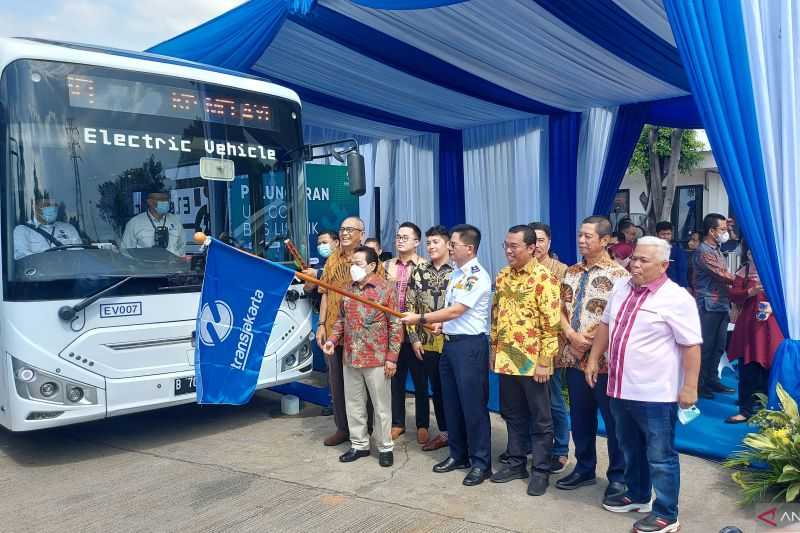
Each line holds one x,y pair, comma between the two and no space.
450,464
386,459
538,484
719,387
509,474
575,480
503,458
615,488
476,476
352,455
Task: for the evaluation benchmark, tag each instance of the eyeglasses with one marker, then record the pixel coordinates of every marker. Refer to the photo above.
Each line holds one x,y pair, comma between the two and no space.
349,229
402,238
513,246
451,244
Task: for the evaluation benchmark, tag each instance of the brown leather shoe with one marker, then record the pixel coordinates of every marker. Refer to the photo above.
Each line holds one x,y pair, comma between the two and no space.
396,432
439,441
337,438
422,435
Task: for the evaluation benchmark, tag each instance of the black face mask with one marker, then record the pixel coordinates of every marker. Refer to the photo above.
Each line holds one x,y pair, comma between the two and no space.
160,237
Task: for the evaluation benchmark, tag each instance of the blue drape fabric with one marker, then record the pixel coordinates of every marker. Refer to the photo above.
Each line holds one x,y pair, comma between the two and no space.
610,26
563,169
451,178
397,54
406,4
236,39
627,129
711,38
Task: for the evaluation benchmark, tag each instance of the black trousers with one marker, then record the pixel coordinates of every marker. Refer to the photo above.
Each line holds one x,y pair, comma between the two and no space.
753,378
525,405
431,364
408,362
714,327
464,368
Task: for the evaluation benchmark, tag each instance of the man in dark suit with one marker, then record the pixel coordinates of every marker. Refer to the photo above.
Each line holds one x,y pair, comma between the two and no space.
678,260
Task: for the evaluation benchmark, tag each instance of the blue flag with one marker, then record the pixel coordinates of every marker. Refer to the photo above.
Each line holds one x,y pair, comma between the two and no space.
241,296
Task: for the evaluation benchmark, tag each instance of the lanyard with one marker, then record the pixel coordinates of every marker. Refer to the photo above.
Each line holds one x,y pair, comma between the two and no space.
151,221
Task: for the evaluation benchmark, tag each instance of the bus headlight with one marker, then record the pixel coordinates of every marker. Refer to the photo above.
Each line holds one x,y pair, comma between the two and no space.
75,394
26,374
48,389
36,384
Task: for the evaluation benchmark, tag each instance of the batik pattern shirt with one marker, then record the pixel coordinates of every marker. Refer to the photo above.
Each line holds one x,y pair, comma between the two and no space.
526,312
425,293
711,279
399,273
336,273
584,296
370,337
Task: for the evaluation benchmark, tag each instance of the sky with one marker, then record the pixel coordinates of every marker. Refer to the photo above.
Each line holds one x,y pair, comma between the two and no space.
127,24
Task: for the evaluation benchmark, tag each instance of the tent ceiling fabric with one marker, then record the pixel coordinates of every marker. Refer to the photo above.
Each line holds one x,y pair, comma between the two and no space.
300,56
522,47
328,118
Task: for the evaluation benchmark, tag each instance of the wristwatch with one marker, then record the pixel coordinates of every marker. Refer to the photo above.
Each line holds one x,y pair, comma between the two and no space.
422,319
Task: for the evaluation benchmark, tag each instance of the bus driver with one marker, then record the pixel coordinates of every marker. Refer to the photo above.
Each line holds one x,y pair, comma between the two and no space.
156,227
44,231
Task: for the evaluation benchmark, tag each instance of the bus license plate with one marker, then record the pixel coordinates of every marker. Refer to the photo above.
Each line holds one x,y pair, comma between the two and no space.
185,386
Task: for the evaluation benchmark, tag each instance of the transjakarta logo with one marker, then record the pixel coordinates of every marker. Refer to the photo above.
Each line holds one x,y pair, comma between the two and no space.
146,141
216,323
246,336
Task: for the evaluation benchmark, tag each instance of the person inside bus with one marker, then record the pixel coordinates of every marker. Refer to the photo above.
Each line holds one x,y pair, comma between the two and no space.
44,231
156,227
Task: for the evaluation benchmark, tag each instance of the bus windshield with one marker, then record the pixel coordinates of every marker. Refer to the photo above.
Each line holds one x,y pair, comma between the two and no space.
101,178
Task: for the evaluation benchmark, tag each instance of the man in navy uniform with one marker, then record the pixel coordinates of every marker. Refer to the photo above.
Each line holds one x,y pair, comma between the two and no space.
465,358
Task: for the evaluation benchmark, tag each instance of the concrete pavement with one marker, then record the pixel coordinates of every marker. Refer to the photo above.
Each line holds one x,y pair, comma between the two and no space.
209,468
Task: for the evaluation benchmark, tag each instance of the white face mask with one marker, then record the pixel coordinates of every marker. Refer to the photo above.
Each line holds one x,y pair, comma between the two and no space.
722,239
357,273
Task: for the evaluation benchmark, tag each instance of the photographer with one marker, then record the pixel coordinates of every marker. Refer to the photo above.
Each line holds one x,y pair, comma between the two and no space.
156,227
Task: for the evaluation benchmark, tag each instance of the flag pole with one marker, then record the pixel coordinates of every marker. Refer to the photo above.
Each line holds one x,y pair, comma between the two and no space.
201,237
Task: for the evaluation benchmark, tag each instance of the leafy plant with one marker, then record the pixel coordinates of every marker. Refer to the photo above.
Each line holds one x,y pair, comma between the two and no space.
769,464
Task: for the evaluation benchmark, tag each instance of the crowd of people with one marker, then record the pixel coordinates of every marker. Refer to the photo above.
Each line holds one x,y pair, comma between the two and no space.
634,330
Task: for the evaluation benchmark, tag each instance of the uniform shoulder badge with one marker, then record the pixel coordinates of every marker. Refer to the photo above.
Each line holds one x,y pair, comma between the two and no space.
475,269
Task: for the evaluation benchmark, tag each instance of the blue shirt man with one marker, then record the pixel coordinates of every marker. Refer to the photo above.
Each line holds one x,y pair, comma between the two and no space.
678,258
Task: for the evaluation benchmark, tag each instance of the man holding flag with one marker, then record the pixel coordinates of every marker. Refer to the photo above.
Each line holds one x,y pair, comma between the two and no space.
370,340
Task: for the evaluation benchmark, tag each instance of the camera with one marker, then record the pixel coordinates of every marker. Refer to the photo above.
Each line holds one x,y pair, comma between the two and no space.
161,237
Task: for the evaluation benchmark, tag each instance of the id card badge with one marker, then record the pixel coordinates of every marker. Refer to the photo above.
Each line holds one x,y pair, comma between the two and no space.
687,415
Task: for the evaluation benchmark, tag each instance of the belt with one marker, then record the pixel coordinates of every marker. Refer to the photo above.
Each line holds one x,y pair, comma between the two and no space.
460,336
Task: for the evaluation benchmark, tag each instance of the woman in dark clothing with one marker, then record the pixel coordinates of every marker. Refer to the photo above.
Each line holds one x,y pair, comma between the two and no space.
755,337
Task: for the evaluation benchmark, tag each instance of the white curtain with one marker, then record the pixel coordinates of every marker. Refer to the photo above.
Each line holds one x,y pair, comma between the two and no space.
416,186
596,126
505,181
772,31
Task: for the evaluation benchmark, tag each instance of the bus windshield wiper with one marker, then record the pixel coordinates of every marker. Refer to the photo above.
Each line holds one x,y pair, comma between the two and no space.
67,313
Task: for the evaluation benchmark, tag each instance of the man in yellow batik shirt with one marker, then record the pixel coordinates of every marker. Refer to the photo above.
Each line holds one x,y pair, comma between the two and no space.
524,341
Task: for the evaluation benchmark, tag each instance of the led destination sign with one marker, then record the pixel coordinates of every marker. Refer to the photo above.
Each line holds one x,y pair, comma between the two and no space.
110,94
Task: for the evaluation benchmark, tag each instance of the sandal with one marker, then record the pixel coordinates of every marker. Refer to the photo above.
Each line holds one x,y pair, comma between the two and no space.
736,420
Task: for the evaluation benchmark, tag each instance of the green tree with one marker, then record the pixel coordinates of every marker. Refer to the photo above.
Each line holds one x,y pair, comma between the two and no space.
659,155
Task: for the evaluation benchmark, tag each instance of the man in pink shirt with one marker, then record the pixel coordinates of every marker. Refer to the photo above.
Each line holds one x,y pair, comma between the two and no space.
651,329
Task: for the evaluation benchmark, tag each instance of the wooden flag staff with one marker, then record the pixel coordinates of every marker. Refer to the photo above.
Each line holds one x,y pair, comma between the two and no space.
201,238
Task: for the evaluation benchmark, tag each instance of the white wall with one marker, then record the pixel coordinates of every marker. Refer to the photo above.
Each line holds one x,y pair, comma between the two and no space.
715,198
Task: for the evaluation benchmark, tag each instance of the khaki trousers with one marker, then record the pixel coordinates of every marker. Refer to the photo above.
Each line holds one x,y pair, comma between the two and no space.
357,381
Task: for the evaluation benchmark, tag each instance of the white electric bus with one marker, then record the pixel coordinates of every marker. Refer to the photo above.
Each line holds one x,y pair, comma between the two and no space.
92,326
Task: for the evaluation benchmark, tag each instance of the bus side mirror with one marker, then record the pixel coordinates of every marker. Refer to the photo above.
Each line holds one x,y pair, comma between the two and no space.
355,173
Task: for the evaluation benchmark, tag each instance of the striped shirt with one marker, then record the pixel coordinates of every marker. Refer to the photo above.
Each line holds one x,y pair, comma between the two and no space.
648,325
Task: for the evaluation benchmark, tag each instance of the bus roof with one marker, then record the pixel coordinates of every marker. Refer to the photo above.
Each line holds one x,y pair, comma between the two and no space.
14,48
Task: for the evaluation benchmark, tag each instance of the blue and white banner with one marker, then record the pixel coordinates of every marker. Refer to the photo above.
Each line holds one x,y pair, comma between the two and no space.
240,298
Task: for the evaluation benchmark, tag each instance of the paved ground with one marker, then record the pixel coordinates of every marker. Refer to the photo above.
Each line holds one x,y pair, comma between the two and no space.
195,468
